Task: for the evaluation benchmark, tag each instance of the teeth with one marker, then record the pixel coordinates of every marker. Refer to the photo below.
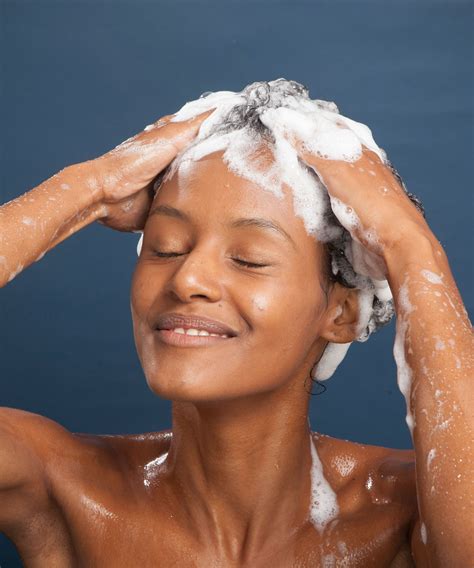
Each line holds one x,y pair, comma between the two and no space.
200,332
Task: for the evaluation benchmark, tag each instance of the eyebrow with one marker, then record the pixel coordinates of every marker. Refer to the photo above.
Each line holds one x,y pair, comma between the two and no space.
259,222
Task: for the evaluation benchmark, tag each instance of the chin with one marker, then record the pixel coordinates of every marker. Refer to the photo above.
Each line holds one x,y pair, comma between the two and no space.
187,385
192,386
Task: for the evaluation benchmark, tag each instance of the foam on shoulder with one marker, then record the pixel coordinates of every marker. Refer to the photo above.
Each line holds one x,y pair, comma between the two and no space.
324,507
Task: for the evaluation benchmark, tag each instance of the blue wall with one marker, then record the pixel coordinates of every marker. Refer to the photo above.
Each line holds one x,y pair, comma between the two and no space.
79,77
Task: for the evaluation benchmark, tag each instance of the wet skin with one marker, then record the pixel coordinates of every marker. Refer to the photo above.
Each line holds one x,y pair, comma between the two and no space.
234,489
102,502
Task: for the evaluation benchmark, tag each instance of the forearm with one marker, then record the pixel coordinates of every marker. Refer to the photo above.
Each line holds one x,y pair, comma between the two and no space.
38,220
434,336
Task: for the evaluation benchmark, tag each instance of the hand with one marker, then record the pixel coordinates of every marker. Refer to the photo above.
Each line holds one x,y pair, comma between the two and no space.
126,174
367,191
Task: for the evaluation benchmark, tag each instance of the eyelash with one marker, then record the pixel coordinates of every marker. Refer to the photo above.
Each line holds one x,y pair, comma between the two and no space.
238,260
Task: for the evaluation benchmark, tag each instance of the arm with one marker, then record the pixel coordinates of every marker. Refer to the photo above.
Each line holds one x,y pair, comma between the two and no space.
434,337
35,222
433,348
25,439
115,189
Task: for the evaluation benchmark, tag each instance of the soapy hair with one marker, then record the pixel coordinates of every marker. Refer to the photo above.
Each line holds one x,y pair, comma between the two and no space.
259,97
254,100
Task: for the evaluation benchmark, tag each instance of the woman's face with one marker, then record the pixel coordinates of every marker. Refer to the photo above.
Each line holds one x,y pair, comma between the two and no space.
219,247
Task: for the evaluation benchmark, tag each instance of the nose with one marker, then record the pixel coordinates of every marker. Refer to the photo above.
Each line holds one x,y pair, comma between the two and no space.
198,277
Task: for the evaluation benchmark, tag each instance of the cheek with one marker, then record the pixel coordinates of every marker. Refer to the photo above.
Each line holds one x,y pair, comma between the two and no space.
285,320
144,289
290,309
260,302
144,343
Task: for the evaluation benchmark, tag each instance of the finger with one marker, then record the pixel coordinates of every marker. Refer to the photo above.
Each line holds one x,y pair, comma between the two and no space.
368,169
136,161
160,122
165,132
178,133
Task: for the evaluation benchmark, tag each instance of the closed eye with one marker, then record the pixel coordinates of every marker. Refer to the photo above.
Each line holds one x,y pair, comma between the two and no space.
239,261
168,254
248,264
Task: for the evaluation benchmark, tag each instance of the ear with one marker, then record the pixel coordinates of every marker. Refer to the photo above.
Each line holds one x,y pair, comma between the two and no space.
342,315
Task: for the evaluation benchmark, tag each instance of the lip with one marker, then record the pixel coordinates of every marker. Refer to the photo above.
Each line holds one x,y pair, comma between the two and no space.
170,321
169,337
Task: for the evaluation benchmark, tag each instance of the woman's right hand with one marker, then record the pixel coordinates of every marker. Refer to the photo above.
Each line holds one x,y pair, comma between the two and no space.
126,174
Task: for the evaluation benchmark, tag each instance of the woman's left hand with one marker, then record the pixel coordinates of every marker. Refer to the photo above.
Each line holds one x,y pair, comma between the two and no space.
367,191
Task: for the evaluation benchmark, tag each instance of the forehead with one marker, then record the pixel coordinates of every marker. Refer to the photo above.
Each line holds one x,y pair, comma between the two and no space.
208,189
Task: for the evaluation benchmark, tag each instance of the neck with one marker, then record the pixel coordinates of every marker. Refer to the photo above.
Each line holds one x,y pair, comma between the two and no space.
241,468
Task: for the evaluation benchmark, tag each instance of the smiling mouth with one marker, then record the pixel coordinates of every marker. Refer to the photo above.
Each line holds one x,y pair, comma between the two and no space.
180,337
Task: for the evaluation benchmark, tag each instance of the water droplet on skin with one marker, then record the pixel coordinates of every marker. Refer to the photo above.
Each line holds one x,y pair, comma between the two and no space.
259,302
424,535
430,457
432,277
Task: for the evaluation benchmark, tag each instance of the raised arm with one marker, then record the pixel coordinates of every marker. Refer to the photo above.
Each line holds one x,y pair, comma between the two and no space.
434,350
35,222
115,189
433,347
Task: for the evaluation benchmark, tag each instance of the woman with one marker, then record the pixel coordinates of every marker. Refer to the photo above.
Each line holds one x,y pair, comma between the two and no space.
245,279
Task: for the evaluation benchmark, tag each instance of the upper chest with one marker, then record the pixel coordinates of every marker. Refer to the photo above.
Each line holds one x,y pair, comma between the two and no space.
117,526
109,511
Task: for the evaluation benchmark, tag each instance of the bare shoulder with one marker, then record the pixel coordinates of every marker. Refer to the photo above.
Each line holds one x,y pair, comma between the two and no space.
32,430
371,480
53,481
26,442
376,492
47,444
393,470
54,443
37,453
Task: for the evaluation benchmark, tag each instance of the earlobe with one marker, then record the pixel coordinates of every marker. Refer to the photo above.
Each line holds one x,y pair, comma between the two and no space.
342,315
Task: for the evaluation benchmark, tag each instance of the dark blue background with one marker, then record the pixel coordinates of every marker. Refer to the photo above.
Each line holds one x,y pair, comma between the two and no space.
79,77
